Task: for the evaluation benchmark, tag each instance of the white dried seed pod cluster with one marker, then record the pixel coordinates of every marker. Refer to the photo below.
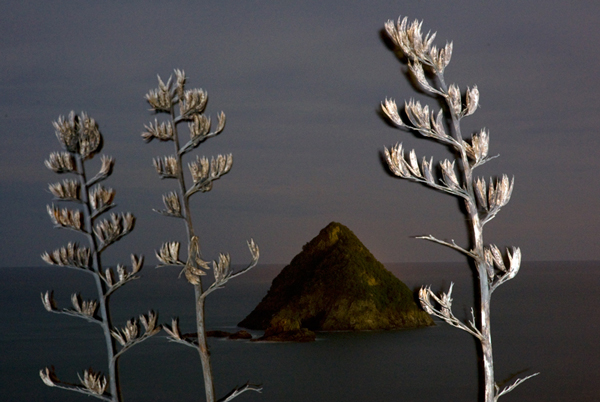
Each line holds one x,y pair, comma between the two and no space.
472,101
130,334
161,131
254,251
426,123
493,197
161,99
60,162
169,254
109,231
406,169
478,149
67,190
205,172
390,109
101,198
123,275
180,84
195,266
193,102
200,130
454,99
199,127
107,165
72,256
84,307
48,377
78,134
410,39
173,330
166,167
94,382
494,258
172,205
449,175
222,268
418,115
410,169
48,301
66,218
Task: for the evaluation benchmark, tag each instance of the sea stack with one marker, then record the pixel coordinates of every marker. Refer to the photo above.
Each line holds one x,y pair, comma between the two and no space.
335,284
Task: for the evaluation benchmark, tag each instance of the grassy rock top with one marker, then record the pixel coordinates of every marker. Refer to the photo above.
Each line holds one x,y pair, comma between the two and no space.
335,283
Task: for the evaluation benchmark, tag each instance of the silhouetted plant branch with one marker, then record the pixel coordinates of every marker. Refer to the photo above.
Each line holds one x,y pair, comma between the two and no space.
181,106
81,139
482,200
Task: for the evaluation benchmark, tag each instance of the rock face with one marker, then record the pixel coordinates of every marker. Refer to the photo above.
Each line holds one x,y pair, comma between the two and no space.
336,284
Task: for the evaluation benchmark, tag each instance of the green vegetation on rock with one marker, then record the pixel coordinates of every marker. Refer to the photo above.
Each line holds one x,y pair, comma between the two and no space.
335,283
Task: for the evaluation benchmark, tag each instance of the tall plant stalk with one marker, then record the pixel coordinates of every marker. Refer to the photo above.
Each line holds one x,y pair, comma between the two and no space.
81,139
181,106
482,200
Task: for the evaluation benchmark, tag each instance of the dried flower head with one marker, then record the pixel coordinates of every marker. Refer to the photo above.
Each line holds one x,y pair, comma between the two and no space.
193,102
499,194
128,333
449,175
181,80
169,254
161,131
48,376
173,330
161,99
67,190
454,99
390,109
48,301
166,167
479,147
94,382
172,205
85,307
101,198
66,218
71,256
222,268
60,162
78,134
108,232
410,40
472,99
204,173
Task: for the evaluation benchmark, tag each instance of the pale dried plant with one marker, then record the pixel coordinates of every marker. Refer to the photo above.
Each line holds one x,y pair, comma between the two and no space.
482,200
185,105
81,139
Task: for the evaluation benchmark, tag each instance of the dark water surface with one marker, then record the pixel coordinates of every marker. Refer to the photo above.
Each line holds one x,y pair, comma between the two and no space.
545,320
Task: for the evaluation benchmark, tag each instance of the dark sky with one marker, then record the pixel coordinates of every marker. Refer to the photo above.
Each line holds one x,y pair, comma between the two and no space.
301,83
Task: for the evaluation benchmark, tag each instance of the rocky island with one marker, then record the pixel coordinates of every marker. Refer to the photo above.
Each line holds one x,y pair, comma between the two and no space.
334,284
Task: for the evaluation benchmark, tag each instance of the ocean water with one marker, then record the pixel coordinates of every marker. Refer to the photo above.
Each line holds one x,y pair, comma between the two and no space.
545,320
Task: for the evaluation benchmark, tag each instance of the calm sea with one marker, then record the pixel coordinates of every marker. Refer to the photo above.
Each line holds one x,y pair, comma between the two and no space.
546,320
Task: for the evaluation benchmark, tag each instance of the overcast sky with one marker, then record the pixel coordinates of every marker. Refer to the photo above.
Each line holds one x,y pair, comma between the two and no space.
301,84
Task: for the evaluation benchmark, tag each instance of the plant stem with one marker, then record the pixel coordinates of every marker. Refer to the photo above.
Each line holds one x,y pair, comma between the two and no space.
113,369
481,265
203,346
198,290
